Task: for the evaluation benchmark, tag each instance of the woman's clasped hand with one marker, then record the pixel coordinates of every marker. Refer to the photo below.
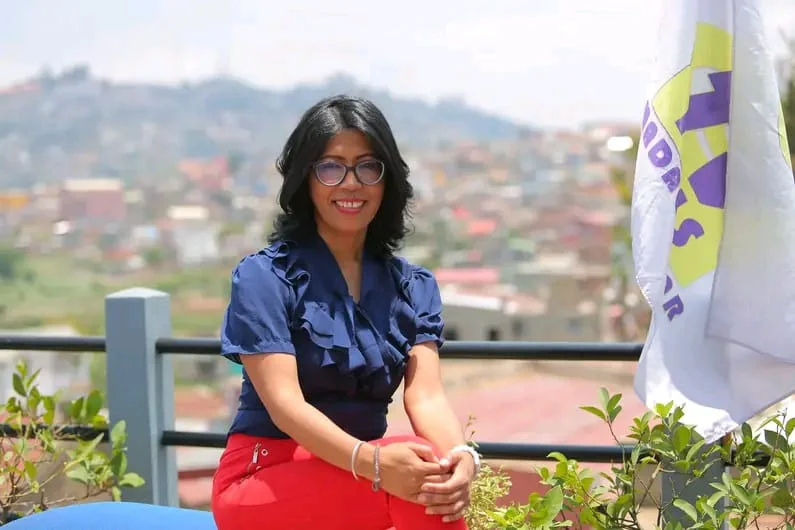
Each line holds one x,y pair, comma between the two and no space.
411,471
406,466
449,497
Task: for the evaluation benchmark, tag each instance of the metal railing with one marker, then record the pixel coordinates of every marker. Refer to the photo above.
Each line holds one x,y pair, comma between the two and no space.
140,386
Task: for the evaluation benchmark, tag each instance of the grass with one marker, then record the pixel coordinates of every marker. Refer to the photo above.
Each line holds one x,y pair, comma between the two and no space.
59,289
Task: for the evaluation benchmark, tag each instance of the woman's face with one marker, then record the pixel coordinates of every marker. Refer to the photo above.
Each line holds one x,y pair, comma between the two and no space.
347,205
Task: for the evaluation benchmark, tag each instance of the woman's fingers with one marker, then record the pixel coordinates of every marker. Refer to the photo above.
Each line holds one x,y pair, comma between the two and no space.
423,451
437,479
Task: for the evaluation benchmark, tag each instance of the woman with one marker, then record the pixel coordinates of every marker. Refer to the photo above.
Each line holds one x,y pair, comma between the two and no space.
327,322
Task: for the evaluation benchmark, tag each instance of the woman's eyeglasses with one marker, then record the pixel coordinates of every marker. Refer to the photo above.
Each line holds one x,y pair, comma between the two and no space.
332,173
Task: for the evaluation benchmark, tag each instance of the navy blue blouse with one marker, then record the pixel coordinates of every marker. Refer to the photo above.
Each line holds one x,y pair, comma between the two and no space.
351,357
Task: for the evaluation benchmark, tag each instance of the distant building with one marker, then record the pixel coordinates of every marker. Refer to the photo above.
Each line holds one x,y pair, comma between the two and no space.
92,201
193,236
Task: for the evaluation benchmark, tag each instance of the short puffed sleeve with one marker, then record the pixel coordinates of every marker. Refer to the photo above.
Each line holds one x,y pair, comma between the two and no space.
256,319
424,294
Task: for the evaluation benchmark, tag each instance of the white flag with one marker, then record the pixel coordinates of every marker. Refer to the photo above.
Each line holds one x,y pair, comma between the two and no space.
713,220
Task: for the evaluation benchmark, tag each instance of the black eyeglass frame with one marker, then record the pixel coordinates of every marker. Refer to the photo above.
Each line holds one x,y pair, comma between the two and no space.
348,169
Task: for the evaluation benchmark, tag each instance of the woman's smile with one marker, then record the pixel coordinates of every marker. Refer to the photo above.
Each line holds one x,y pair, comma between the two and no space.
349,206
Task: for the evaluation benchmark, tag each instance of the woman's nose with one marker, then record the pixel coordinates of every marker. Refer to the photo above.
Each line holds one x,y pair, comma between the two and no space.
350,181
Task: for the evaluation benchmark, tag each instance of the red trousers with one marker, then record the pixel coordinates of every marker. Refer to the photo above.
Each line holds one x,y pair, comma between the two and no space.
288,488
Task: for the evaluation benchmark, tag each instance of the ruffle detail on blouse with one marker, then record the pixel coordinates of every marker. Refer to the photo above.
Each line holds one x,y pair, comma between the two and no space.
328,328
328,325
416,313
284,264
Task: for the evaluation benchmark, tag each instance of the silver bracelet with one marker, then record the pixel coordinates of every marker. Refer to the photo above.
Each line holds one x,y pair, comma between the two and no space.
471,451
377,477
354,454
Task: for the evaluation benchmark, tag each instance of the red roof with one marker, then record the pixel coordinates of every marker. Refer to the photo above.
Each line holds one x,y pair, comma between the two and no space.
481,227
479,275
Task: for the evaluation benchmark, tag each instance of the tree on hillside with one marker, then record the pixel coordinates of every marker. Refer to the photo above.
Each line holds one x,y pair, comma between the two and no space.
11,263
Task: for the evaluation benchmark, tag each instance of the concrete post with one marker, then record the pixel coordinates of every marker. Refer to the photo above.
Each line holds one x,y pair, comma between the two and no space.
141,389
688,488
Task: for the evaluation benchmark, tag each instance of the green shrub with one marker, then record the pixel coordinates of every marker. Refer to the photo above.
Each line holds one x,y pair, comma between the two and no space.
760,482
39,450
490,485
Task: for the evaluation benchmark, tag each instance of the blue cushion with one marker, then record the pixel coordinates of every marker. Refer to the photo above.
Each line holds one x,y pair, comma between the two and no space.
115,516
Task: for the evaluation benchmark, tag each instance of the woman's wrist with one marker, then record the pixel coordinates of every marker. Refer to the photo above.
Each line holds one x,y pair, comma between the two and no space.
470,454
364,463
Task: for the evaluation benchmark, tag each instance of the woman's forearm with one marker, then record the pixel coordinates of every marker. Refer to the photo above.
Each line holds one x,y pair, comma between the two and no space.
435,420
275,379
314,431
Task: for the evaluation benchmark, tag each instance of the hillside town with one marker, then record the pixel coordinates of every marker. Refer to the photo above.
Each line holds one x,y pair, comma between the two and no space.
525,229
522,230
519,233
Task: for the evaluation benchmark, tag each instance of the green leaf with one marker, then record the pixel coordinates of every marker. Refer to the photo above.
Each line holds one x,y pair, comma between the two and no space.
746,432
94,403
595,411
634,457
118,433
49,410
687,508
88,448
552,503
131,480
115,493
782,498
776,440
11,406
118,463
604,397
34,399
30,471
19,386
76,409
694,449
790,427
663,410
543,472
79,474
613,402
705,507
22,368
741,493
681,438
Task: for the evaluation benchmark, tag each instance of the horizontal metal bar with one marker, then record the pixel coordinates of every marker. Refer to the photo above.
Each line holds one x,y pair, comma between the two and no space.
62,343
539,452
65,432
215,440
502,350
190,346
542,351
489,450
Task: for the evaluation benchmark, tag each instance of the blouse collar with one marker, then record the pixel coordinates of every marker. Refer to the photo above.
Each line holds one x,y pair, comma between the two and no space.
323,262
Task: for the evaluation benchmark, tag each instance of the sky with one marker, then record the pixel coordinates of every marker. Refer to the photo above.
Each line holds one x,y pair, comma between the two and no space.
553,63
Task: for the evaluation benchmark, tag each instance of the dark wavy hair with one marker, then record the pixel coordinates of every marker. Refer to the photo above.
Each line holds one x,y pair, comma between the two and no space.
305,146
